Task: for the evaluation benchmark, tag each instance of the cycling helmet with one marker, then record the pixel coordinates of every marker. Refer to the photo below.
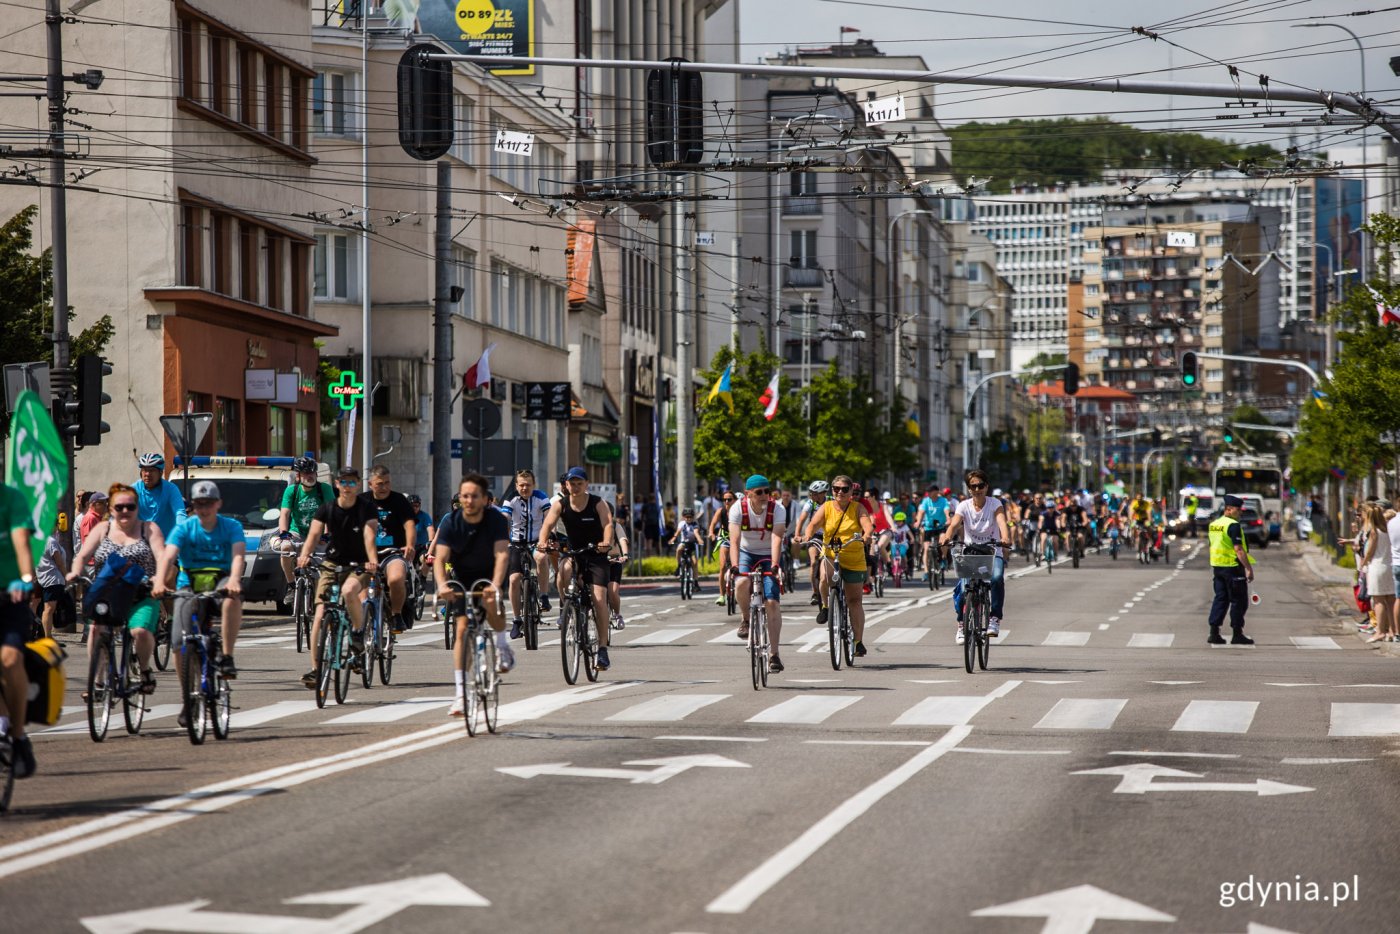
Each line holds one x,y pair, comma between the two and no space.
947,491
153,459
304,465
414,500
819,486
900,517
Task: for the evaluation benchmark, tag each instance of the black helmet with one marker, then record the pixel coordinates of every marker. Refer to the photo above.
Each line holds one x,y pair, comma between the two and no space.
304,465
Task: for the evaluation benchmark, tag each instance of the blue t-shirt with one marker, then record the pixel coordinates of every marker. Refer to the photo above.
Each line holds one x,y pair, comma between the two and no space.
420,528
935,512
163,505
206,549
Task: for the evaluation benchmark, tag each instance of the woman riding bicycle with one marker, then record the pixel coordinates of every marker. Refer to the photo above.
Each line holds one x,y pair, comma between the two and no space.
982,520
841,519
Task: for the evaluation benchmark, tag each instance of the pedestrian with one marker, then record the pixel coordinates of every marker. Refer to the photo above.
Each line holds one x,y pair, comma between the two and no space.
95,512
1233,571
51,590
1380,579
1392,529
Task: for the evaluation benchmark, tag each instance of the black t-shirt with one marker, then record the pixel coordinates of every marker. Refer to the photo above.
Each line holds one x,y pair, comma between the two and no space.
1074,514
584,527
345,531
394,511
473,545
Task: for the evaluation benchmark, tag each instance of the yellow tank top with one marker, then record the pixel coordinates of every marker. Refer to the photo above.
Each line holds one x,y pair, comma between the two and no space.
844,525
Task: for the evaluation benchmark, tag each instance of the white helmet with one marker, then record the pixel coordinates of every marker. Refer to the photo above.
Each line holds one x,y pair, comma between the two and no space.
818,486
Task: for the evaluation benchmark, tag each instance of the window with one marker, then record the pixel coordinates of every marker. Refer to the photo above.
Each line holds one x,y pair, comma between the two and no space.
592,362
228,434
336,266
220,246
278,430
334,97
462,128
501,292
1215,240
803,254
464,277
1215,376
974,272
302,441
803,183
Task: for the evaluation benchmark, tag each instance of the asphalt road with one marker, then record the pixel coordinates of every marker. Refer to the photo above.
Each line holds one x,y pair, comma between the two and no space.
1110,772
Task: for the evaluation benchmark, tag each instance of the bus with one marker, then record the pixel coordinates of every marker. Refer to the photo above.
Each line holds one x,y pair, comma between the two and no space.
1255,474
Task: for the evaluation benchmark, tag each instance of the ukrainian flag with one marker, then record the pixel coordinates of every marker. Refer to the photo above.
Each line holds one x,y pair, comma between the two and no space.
1319,397
911,423
721,388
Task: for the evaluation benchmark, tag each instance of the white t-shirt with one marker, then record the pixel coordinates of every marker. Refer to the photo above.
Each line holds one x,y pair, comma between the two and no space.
755,539
1393,528
980,525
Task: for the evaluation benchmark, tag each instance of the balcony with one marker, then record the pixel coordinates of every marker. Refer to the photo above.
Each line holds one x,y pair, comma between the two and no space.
803,205
802,277
347,13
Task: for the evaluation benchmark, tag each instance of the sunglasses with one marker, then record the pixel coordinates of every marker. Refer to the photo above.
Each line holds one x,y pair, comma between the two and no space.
977,486
124,507
764,491
350,484
838,490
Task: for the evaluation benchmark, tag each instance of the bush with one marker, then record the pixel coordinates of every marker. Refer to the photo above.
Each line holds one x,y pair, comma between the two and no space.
666,567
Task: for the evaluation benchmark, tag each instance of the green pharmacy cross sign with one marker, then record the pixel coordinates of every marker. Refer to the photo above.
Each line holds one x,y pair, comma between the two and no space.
347,391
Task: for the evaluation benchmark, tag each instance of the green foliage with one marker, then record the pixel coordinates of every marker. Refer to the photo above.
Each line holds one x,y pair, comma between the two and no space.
326,374
666,567
1265,442
1051,151
735,445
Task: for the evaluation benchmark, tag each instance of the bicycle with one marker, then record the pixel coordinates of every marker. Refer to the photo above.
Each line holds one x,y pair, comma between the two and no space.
379,638
841,639
934,566
877,572
975,566
1076,546
109,679
1047,552
206,695
334,658
530,595
482,691
1113,544
578,630
303,605
1144,546
686,571
759,649
787,567
416,596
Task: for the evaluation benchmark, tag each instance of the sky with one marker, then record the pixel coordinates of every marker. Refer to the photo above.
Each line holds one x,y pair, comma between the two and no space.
1091,38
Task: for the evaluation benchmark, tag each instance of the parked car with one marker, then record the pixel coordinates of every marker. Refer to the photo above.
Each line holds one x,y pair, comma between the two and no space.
1256,533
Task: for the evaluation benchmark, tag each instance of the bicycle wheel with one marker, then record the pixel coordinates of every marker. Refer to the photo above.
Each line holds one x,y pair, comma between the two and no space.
133,701
195,722
374,624
756,659
984,642
100,687
879,579
588,641
162,652
300,620
472,695
834,622
340,665
569,647
931,569
970,625
420,597
764,649
848,639
730,605
531,599
1074,556
7,773
490,684
449,629
387,642
323,658
222,712
1049,558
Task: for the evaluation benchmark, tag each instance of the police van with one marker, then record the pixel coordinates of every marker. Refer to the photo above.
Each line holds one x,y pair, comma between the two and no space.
251,488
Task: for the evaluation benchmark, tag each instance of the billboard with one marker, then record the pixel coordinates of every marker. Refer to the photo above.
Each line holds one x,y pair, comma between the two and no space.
483,27
1340,208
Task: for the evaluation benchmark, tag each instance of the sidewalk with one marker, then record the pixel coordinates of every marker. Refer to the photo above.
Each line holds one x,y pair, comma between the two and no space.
1337,583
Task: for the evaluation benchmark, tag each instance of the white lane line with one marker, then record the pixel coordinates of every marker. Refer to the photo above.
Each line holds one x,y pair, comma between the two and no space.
265,640
1208,716
422,638
1176,682
950,711
738,898
1013,752
901,636
81,726
1148,753
813,708
1103,626
243,719
1079,713
931,681
661,636
669,708
1320,761
1397,685
1294,684
1314,642
1365,720
717,739
1066,638
390,713
1151,640
866,742
1114,619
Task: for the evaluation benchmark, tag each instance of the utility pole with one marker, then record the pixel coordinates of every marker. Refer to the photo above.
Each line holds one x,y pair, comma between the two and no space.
442,344
685,390
734,296
62,380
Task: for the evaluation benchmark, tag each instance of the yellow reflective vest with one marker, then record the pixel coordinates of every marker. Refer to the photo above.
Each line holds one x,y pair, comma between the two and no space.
1222,550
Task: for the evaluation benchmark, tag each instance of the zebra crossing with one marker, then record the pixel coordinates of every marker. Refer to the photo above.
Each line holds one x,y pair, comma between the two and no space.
1011,705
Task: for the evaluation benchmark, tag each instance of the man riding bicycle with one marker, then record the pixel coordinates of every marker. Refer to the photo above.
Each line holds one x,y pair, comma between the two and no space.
395,540
300,503
1075,519
686,541
805,530
525,510
982,520
1139,513
587,519
756,526
719,534
17,572
932,520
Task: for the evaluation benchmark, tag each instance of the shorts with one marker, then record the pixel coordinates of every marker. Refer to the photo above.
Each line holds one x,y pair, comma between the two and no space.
614,572
521,556
145,614
592,568
184,611
751,562
16,622
327,578
292,544
853,577
931,535
54,594
389,555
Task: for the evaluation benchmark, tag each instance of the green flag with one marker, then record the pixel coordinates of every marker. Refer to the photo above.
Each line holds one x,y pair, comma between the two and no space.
35,465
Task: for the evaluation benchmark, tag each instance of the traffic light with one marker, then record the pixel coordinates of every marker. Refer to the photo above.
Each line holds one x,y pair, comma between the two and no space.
425,103
1072,379
90,427
675,115
1189,371
1229,437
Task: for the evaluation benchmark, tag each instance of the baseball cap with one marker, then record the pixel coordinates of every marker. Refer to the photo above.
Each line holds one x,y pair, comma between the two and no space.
756,482
576,473
97,497
1233,500
205,489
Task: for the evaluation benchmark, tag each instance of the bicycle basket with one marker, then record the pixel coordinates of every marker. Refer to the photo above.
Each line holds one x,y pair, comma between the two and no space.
973,567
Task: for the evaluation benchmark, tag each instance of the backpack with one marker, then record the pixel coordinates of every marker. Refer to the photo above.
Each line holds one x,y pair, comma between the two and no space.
744,522
113,590
43,663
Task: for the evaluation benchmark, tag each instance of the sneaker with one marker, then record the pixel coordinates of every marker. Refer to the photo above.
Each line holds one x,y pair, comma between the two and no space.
743,632
719,601
961,636
618,622
816,599
458,708
544,604
227,668
603,663
775,665
357,652
1239,638
1215,637
184,718
860,650
517,628
309,679
994,626
822,614
24,758
407,619
396,623
505,660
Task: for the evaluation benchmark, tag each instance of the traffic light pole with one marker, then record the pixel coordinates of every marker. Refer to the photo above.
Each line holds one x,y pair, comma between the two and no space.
58,192
1295,364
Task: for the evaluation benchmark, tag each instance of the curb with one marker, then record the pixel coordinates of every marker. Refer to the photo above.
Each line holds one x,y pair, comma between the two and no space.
1336,585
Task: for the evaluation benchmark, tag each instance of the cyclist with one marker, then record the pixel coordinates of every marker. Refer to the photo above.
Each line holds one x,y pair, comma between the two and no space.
756,527
1139,513
475,540
805,531
843,519
349,526
982,519
719,534
1075,518
1048,524
618,555
931,519
588,521
159,499
423,528
899,547
139,542
395,540
213,551
300,503
17,571
687,534
525,510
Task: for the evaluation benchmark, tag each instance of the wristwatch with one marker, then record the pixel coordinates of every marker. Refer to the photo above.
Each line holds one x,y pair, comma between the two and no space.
26,578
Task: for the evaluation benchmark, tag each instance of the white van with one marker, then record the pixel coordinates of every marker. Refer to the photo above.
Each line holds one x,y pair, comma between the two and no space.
1205,504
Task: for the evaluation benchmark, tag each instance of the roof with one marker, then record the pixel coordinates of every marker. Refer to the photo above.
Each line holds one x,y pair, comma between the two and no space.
1056,390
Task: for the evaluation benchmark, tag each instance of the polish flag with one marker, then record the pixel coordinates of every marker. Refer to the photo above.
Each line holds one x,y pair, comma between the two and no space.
1389,314
769,399
479,373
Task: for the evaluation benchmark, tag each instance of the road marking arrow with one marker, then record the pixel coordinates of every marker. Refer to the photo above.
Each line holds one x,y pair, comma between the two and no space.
372,904
665,769
1074,910
1137,779
1255,927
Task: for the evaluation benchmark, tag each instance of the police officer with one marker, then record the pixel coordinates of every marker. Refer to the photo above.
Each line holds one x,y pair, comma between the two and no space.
1231,564
1192,504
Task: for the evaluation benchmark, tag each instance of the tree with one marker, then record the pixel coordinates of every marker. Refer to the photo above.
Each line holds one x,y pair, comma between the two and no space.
1265,442
730,445
26,307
